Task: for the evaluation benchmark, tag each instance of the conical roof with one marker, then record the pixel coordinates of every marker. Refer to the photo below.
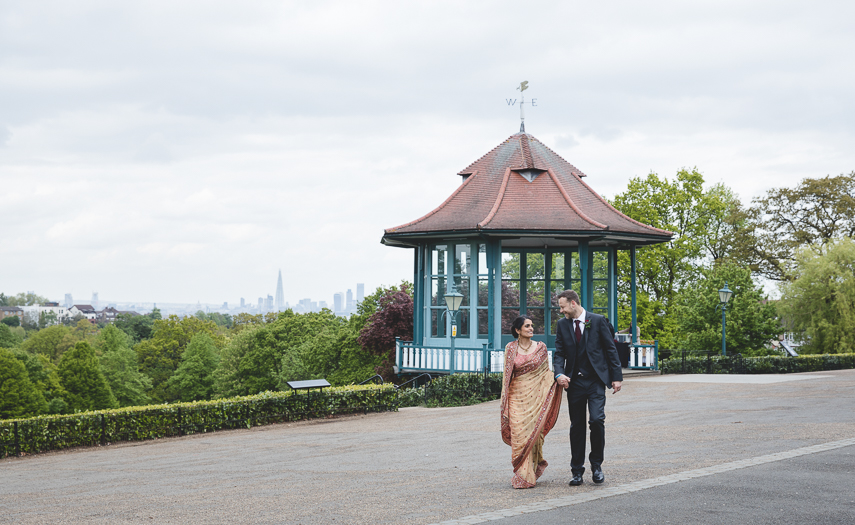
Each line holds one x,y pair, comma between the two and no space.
523,187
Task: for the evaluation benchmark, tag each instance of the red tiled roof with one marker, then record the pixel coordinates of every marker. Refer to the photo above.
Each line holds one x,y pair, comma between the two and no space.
496,196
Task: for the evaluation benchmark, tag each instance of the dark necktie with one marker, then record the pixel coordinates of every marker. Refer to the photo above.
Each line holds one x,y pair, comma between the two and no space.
578,332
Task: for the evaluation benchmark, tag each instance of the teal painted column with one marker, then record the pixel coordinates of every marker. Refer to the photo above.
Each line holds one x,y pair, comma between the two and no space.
418,294
613,304
585,278
494,313
633,292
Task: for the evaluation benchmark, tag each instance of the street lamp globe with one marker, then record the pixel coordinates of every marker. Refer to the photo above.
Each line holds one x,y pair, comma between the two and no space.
723,295
453,301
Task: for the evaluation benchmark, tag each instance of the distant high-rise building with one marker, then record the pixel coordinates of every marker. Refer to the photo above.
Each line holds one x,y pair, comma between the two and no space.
226,305
360,292
337,302
242,302
69,301
280,294
260,305
269,303
322,305
349,304
95,300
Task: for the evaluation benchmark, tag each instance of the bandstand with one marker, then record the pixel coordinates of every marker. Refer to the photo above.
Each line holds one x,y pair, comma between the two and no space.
521,227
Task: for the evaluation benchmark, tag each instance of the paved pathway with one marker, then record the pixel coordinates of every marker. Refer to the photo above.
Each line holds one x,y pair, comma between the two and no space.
431,465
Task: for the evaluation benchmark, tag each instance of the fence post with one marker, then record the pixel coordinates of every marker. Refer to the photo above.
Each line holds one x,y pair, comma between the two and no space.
103,431
180,428
709,362
684,362
17,441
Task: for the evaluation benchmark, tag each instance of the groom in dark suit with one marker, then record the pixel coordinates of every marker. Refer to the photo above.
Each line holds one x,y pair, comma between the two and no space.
585,360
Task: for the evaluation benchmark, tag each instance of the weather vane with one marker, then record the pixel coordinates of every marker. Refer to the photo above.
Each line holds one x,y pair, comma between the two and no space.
521,88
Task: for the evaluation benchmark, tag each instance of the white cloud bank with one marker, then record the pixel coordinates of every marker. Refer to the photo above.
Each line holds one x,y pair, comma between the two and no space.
176,152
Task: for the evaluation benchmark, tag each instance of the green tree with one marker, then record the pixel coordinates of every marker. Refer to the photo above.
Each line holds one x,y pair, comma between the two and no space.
25,299
752,321
193,380
18,396
702,223
81,377
43,374
7,337
52,342
813,214
11,321
139,327
820,301
119,366
252,361
160,356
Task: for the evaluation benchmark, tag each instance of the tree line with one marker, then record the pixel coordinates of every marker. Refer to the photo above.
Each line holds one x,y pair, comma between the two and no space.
148,359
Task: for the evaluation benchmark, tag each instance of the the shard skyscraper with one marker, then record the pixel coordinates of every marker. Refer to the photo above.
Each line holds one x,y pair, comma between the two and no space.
280,295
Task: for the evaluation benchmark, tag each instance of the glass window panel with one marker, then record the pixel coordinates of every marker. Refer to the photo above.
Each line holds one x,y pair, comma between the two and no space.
557,266
601,294
556,288
535,268
463,258
461,286
437,259
537,320
534,293
574,266
437,323
510,266
508,316
483,292
482,259
463,322
554,315
601,265
437,292
483,318
511,293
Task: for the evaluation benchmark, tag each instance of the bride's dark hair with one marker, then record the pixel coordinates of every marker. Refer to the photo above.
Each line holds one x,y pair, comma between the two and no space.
517,324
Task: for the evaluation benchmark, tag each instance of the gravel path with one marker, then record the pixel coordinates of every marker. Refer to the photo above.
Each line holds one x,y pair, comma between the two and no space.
420,465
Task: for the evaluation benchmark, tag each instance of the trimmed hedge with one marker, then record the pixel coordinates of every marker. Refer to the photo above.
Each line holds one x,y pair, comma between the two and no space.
454,390
736,364
101,427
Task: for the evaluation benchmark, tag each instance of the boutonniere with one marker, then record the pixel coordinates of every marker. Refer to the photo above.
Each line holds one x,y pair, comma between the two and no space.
587,324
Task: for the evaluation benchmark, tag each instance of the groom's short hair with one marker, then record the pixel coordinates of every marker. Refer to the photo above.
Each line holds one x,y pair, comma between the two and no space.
569,295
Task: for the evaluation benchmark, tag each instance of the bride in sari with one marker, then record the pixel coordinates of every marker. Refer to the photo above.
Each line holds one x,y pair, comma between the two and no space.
530,403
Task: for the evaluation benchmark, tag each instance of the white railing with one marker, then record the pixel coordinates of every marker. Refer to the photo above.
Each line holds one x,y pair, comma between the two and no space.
411,357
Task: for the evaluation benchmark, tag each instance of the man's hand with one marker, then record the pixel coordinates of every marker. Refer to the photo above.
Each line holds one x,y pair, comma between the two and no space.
564,381
616,386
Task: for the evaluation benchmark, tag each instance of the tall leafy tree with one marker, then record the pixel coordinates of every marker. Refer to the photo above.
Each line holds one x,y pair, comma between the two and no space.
813,214
7,337
52,342
139,327
820,300
11,321
44,375
81,377
24,299
18,396
696,217
392,318
120,367
193,380
752,321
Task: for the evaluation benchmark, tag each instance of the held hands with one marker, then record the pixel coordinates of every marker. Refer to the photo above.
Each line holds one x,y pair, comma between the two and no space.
564,381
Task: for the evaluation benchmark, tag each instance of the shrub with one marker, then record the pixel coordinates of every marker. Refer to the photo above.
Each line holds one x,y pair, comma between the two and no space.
454,390
717,364
44,433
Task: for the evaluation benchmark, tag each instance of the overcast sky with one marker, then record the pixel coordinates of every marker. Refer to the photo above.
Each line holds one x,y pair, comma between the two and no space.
183,151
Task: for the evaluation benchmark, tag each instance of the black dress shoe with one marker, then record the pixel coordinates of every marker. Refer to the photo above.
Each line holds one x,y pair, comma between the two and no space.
577,480
597,475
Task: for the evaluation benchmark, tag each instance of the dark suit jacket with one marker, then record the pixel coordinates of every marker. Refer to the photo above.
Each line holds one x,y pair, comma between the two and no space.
597,340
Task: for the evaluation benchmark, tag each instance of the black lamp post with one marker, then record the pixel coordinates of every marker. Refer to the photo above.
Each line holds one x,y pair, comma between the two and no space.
724,296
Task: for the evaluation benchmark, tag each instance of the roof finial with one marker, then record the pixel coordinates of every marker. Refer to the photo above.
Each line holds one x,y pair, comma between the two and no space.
523,87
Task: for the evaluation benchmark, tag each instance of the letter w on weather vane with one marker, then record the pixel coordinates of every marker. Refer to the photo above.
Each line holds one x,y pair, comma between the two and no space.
512,101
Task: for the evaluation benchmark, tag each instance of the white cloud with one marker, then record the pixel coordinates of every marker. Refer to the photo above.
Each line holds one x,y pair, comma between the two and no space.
168,151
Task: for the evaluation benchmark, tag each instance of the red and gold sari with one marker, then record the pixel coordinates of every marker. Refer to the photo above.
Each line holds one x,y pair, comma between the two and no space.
531,401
